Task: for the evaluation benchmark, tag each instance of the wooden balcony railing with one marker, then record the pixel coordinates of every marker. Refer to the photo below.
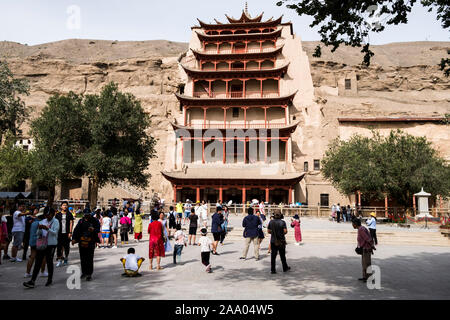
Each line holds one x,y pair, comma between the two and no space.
236,125
237,94
239,50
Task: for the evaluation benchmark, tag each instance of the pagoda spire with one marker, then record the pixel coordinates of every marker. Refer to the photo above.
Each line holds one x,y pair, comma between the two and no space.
246,9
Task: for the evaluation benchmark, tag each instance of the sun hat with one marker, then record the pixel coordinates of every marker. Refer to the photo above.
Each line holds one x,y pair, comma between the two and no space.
373,214
296,216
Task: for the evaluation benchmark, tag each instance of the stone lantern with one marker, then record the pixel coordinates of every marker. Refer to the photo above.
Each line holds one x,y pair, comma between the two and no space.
422,200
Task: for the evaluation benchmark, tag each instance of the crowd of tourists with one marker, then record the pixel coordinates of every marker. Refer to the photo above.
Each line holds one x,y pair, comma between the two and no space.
42,232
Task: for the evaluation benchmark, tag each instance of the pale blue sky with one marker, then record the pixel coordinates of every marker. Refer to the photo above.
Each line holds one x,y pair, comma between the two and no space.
39,21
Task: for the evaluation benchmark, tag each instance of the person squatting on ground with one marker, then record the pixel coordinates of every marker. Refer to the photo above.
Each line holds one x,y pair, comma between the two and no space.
365,247
131,263
277,229
47,240
205,248
86,235
66,220
251,225
179,243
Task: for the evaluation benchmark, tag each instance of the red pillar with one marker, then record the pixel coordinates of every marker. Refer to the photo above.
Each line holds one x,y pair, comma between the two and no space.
209,88
182,149
265,117
385,206
197,194
286,115
174,193
243,195
359,198
245,150
204,118
414,204
261,87
224,151
220,194
267,195
225,118
226,88
245,118
243,87
203,151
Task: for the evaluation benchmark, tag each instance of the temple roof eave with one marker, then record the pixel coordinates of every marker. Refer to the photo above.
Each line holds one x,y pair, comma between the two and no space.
222,26
286,129
202,55
281,69
262,36
236,101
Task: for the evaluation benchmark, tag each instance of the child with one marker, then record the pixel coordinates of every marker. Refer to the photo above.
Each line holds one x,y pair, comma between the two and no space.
131,264
205,244
296,225
180,241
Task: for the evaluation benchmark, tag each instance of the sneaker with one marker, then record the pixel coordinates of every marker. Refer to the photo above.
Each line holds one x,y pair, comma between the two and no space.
88,278
115,247
243,258
18,260
27,275
208,268
48,283
58,264
287,269
44,274
29,284
66,262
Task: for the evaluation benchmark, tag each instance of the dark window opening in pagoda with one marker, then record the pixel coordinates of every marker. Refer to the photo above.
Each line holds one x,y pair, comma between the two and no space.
348,84
324,200
226,32
316,164
240,32
181,107
235,112
181,88
239,48
237,65
236,89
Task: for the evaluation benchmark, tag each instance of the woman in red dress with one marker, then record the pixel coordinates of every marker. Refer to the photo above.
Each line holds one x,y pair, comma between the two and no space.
156,243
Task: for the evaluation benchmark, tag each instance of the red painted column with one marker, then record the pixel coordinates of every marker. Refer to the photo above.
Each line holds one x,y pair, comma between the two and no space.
359,198
243,195
260,46
224,151
286,115
220,194
261,87
182,149
414,204
265,117
267,194
226,88
204,118
385,206
197,194
174,193
225,118
243,87
210,93
245,150
245,118
203,151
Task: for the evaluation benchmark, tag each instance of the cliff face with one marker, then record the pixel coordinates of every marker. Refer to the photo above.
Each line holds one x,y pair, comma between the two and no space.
404,79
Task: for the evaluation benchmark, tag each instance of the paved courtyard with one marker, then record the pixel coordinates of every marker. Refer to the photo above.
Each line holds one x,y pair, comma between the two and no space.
319,271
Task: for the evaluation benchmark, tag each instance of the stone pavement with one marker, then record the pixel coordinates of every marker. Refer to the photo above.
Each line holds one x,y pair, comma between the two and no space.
319,271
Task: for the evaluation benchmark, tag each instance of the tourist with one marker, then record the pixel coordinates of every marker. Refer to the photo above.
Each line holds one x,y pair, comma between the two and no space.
125,223
18,231
163,220
3,235
203,214
172,221
180,242
277,229
338,213
372,225
216,229
86,235
224,226
251,224
205,248
66,221
131,263
262,208
193,225
187,210
260,228
138,226
106,230
349,213
32,242
295,223
365,247
333,212
26,237
114,226
156,241
130,216
344,213
179,208
46,242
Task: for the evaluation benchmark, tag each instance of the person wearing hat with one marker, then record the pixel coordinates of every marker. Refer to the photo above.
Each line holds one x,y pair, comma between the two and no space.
187,211
372,225
295,223
32,242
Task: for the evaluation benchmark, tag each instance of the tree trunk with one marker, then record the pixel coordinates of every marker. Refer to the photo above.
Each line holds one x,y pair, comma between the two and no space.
93,192
51,196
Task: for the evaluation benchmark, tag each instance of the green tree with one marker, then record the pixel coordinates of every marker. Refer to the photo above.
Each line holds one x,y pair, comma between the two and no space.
118,147
12,108
58,134
350,22
13,163
398,165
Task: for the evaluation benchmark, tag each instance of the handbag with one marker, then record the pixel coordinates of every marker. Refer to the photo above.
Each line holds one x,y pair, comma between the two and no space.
41,241
359,250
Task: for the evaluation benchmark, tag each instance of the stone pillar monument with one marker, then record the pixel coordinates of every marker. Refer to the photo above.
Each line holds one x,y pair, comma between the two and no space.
422,200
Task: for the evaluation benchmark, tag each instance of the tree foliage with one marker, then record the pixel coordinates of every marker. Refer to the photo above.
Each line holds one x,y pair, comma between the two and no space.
12,108
398,165
118,147
350,22
13,163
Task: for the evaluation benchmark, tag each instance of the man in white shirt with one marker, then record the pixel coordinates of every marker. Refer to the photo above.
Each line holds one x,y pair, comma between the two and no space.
131,264
18,231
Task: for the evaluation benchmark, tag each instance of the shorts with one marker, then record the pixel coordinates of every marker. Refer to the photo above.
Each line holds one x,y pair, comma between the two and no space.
18,238
193,231
114,231
187,214
172,224
216,236
105,234
180,214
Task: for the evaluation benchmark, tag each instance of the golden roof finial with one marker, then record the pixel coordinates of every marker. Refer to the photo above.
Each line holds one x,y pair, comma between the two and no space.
246,8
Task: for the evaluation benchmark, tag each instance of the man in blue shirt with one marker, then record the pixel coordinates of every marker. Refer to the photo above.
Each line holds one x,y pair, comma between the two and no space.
251,224
216,229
